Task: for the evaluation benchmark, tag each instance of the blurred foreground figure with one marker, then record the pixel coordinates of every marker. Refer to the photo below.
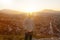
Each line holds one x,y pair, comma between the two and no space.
28,26
28,35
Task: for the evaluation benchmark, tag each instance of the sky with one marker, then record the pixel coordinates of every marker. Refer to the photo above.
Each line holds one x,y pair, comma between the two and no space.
30,5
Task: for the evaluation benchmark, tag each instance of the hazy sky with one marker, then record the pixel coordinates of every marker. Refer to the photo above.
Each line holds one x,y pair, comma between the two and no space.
24,5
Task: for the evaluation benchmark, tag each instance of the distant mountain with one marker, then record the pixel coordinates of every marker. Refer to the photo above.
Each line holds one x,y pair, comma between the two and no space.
11,13
8,11
47,12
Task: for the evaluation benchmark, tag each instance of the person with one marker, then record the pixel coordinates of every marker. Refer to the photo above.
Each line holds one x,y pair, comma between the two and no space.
28,35
28,26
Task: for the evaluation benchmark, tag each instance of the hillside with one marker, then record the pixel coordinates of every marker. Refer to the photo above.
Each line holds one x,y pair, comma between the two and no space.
44,21
11,23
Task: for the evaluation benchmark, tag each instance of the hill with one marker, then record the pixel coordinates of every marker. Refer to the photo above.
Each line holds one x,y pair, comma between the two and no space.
11,23
47,23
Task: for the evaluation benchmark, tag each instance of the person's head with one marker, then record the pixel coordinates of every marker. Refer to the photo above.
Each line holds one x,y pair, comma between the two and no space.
29,16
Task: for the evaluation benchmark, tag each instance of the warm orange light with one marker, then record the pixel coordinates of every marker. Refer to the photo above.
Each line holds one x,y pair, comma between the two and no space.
30,9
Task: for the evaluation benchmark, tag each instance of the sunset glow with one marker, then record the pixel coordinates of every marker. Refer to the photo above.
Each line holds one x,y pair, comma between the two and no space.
30,8
30,5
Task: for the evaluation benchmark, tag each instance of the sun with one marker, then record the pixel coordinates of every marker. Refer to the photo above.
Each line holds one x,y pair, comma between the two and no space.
30,9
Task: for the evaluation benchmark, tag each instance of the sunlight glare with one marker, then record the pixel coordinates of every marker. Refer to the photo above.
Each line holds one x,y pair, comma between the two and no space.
29,9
